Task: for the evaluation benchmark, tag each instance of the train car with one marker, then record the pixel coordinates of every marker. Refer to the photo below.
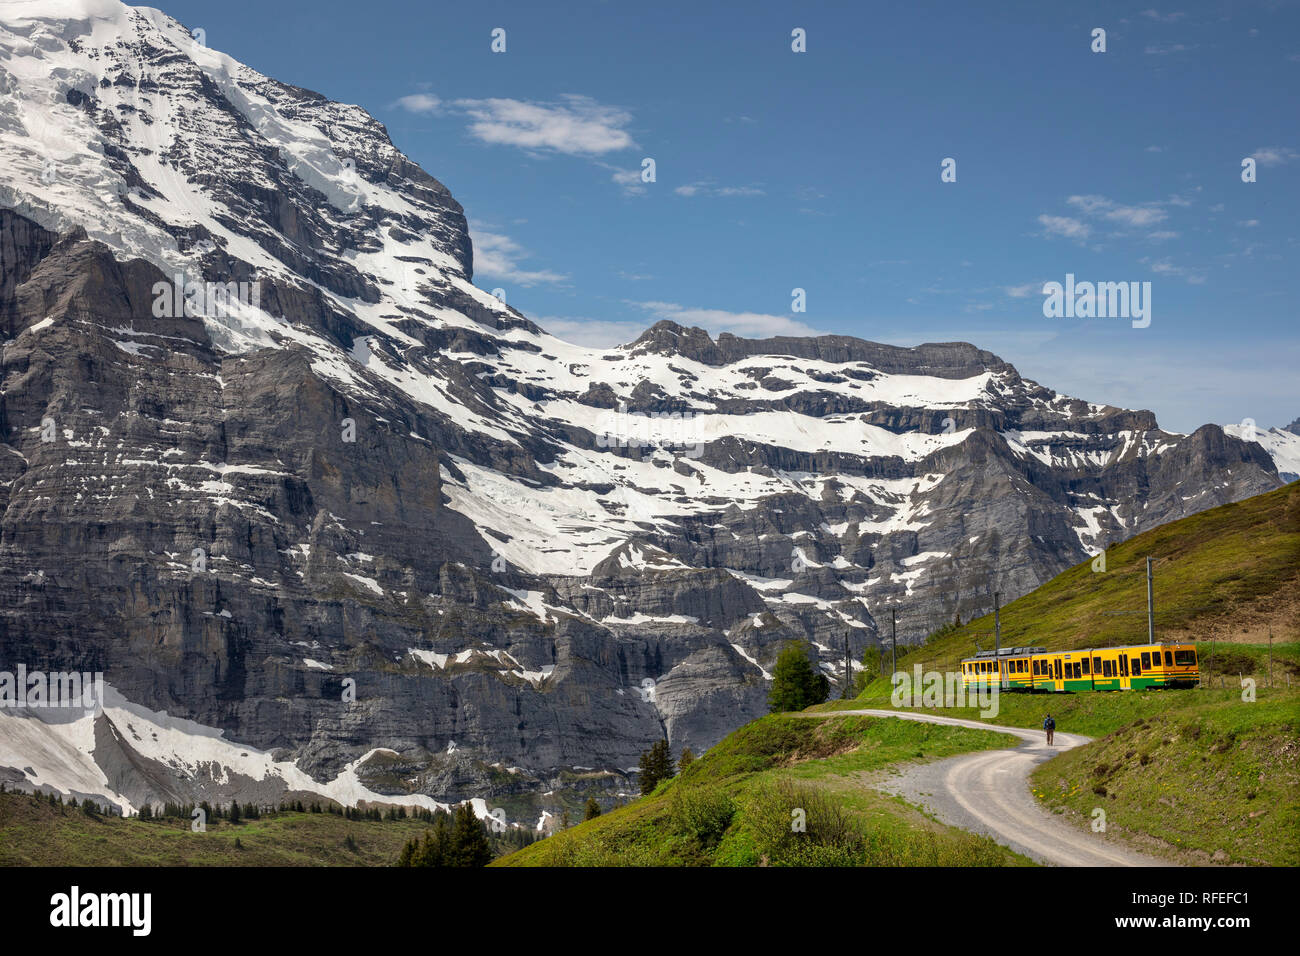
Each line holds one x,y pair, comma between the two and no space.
1099,668
1009,668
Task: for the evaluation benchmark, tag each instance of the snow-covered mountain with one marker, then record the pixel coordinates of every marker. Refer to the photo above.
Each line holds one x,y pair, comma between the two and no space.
1281,444
350,522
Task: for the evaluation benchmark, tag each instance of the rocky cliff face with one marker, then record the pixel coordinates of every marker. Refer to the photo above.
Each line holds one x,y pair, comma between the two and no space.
353,526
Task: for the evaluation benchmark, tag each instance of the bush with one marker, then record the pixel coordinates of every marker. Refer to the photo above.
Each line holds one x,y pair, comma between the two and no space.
703,813
828,835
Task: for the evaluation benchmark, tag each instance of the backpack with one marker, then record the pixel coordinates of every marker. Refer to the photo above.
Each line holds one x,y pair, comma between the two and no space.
1049,724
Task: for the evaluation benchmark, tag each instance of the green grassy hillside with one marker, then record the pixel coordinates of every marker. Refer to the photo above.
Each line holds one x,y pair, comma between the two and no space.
735,805
1216,781
35,833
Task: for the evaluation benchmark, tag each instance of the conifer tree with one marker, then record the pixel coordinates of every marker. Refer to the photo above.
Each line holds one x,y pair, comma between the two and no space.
795,685
469,839
655,765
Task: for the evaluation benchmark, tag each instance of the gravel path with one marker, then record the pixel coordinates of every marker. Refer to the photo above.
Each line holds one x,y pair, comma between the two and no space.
988,792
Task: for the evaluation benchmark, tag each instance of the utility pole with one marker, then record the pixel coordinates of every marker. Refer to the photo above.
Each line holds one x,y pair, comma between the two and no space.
1151,606
893,644
997,624
997,636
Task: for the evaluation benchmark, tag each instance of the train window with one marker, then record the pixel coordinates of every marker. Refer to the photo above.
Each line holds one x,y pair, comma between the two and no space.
1085,667
1036,670
1077,675
1184,658
1096,665
1146,660
1106,669
1123,666
1057,668
1169,658
1137,667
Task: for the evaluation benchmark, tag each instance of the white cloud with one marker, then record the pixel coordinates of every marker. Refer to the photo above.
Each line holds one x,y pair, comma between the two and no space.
1166,267
1019,291
1249,223
629,180
1274,155
419,103
1138,216
598,333
708,189
577,125
498,256
1163,17
1065,226
745,324
1163,235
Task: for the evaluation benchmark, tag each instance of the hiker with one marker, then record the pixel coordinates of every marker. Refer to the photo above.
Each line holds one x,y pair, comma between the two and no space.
1049,725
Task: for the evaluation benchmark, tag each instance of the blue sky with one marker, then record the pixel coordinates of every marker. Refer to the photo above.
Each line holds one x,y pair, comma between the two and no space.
820,170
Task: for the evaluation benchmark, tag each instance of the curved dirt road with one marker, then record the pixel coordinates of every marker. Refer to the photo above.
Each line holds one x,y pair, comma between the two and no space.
988,792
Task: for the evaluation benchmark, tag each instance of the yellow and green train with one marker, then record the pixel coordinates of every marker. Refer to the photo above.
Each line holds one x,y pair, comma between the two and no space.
1096,668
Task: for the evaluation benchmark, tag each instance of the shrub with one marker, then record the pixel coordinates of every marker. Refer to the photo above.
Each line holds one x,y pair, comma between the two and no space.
829,835
703,813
